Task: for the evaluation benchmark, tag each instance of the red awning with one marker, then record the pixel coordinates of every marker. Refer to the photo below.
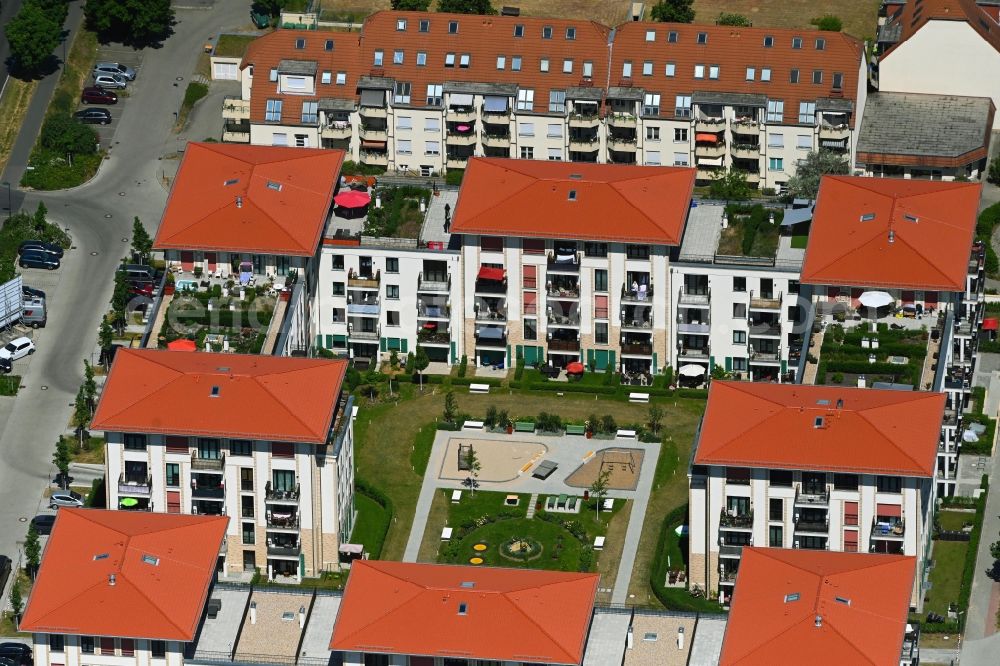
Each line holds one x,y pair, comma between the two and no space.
182,344
889,510
490,273
706,136
991,324
352,199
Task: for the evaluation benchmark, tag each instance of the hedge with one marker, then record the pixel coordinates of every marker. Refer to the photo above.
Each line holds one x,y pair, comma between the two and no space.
674,598
969,571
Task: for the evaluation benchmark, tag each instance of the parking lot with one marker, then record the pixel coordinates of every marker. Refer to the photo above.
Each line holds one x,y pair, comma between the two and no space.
130,58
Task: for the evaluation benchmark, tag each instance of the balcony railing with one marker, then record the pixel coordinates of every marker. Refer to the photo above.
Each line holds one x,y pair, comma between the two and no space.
567,263
291,550
433,312
642,293
750,151
461,113
433,337
365,280
235,108
569,319
812,495
135,484
496,117
765,356
199,464
709,124
764,329
834,132
373,111
888,529
736,520
491,287
559,291
282,521
355,333
765,301
726,550
496,140
622,119
622,144
431,284
812,524
699,297
374,157
637,348
564,345
745,126
272,495
693,352
695,327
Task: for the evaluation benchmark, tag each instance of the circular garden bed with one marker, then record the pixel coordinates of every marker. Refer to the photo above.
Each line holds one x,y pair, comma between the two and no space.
518,542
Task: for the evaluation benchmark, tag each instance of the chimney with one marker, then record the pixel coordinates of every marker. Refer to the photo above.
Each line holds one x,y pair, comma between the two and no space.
239,201
111,580
628,639
819,620
680,638
302,617
253,612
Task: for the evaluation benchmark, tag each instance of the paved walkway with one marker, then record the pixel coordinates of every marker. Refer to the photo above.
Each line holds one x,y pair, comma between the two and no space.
568,452
979,623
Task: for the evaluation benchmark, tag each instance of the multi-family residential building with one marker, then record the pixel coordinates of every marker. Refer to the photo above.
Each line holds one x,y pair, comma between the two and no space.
569,262
893,261
425,92
251,216
266,441
810,467
122,587
841,608
922,44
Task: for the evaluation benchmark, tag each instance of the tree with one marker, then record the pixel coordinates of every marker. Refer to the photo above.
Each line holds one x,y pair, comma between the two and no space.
420,363
81,414
655,418
737,20
33,35
32,550
120,299
993,174
805,183
61,459
730,185
62,134
411,5
105,337
451,408
38,220
16,602
673,11
472,463
599,488
142,244
995,550
89,384
829,23
134,22
466,7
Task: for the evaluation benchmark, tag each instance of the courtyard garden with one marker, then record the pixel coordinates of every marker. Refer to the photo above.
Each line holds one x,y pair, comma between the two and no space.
899,356
223,322
750,232
399,215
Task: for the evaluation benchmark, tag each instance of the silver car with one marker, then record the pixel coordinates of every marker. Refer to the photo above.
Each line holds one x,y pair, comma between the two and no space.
65,498
102,80
115,68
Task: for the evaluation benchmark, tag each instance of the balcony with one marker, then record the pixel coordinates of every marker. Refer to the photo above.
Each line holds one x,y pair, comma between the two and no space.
727,576
283,549
433,337
765,355
765,329
622,120
893,529
745,127
557,319
564,262
237,131
812,495
200,491
494,140
432,311
834,132
374,158
694,327
752,177
621,144
581,145
693,353
491,312
726,550
747,151
457,162
373,112
637,349
584,120
564,346
638,320
702,173
456,138
234,108
139,485
484,286
433,283
199,464
491,336
642,293
766,302
364,280
711,150
812,524
354,333
709,124
282,520
284,496
496,117
735,521
562,290
339,129
696,297
361,307
461,114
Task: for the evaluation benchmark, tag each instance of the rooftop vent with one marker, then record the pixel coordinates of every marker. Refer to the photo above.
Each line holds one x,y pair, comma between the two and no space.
911,218
468,584
231,181
892,236
794,596
576,176
239,202
215,391
572,195
111,580
271,185
823,401
842,600
867,217
463,609
819,621
222,368
151,560
101,556
840,403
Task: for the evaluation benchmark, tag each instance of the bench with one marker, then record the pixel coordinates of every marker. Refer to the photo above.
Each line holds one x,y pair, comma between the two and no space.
576,430
473,425
213,608
479,388
524,426
599,543
625,434
638,397
446,534
456,496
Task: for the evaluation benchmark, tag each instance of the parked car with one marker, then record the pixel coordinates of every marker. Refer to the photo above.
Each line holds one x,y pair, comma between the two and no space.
141,289
19,653
110,80
94,116
43,523
34,313
65,498
6,366
139,272
106,67
4,575
31,292
38,259
95,95
51,248
18,348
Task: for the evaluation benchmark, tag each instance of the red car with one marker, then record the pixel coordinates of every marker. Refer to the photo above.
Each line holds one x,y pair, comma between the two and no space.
95,95
141,289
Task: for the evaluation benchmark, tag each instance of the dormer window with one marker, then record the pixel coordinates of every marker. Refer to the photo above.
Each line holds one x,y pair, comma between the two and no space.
401,25
547,32
328,45
452,27
425,26
300,43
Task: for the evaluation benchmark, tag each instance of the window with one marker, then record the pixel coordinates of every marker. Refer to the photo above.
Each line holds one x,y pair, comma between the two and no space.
135,442
838,80
379,56
680,134
647,68
464,60
671,37
775,140
681,159
87,644
818,77
820,44
650,35
337,315
768,41
652,158
157,649
274,74
739,310
796,42
627,69
501,62
595,249
775,509
525,99
570,33
515,64
240,447
310,112
301,140
397,57
404,146
888,484
682,106
392,291
781,477
652,133
547,32
341,78
775,536
751,73
555,154
703,38
713,72
246,479
527,153
57,642
249,534
637,251
651,105
807,113
557,101
279,139
173,474
588,69
519,30
530,329
739,337
793,76
775,110
339,289
670,69
765,73
392,265
449,59
845,481
401,25
600,277
803,141
601,332
107,645
776,164
699,71
404,122
432,147
526,129
433,95
272,112
392,318
452,27
327,77
567,66
337,262
554,130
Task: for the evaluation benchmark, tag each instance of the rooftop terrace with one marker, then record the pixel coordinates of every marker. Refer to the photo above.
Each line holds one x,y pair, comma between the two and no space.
751,236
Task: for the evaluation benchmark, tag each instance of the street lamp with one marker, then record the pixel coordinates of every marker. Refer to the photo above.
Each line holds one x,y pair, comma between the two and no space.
10,206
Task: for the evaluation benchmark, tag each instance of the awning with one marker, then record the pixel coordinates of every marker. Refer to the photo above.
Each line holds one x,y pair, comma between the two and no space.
796,216
706,136
182,344
833,143
710,161
889,510
372,98
352,548
373,144
491,333
991,324
460,99
490,273
876,299
352,199
494,104
691,370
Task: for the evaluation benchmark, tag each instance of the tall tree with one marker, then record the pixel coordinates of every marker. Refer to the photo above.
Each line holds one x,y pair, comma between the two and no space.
16,601
142,244
39,219
33,35
655,418
411,5
89,385
420,363
673,11
730,185
120,299
32,550
134,22
466,6
81,414
472,462
105,336
61,459
805,183
599,488
451,408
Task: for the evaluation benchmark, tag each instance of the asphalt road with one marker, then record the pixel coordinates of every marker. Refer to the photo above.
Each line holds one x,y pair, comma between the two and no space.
99,217
7,11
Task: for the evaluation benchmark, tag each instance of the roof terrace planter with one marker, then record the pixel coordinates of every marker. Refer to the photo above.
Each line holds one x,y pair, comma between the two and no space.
709,124
745,126
622,144
584,120
834,132
750,151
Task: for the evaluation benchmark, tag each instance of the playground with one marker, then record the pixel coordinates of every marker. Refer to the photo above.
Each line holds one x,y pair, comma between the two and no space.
622,465
499,459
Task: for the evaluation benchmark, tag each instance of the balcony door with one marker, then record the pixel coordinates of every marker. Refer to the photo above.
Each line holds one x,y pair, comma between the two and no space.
813,483
209,449
365,267
284,480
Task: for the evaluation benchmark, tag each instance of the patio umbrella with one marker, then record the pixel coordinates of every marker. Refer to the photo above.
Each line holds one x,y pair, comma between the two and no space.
128,501
462,128
691,370
574,368
875,299
182,344
352,199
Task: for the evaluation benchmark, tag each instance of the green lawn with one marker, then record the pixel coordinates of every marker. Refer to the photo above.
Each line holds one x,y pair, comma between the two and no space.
559,550
233,46
946,576
371,524
799,241
954,521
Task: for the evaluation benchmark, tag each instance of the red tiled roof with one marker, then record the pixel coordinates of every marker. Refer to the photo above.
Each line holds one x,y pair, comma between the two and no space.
912,16
520,615
733,50
259,397
256,199
531,198
851,608
775,426
163,566
932,225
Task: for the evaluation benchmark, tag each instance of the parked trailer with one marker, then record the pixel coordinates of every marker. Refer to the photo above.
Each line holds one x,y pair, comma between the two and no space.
11,302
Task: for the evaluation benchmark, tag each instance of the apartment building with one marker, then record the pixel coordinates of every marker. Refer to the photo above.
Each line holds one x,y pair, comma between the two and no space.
836,608
423,93
122,587
889,262
810,467
569,262
266,441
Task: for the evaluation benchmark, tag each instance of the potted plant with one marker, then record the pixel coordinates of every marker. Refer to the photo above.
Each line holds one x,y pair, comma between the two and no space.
589,429
509,426
169,286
